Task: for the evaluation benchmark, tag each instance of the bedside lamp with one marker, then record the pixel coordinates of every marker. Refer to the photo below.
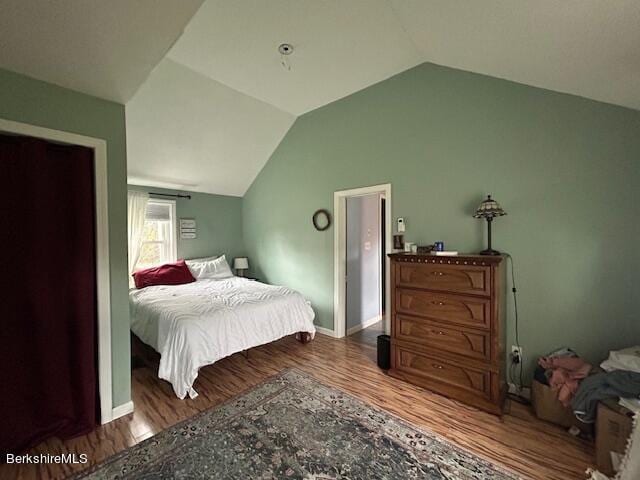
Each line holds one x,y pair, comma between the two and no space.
240,264
489,209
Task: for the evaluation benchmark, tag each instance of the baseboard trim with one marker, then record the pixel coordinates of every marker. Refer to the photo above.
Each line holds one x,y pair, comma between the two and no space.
326,331
122,410
364,325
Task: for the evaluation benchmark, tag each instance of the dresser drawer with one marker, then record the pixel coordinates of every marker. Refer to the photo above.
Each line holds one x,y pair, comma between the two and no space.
448,278
463,341
470,311
430,368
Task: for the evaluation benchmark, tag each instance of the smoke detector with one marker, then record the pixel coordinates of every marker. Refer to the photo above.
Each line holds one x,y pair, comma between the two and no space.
285,49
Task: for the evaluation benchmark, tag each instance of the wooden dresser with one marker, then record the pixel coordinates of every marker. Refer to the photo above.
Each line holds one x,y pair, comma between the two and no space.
447,327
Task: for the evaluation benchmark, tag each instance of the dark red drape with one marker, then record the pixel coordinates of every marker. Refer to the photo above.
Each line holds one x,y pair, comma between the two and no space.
48,352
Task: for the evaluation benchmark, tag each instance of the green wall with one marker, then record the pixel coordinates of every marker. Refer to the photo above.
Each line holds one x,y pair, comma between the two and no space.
564,168
26,100
218,222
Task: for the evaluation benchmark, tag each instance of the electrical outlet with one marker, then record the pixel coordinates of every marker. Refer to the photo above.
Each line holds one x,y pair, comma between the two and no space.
516,354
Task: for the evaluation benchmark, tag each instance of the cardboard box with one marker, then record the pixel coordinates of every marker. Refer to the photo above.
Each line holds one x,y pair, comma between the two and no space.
613,428
547,407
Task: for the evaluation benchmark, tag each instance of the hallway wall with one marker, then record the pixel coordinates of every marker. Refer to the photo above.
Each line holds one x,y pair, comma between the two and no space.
363,259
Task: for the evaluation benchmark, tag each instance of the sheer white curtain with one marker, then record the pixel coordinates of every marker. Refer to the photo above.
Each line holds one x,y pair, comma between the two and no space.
136,209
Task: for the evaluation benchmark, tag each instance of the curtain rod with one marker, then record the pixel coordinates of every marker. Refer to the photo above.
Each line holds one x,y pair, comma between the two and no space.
170,195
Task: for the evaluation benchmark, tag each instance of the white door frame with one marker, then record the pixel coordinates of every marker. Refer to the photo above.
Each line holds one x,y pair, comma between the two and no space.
99,148
340,253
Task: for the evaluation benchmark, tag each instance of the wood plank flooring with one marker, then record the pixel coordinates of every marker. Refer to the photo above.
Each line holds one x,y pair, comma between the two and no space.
518,440
369,335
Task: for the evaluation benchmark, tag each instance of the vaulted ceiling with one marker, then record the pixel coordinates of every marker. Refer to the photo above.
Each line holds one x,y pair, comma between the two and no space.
589,48
189,132
210,114
103,48
340,47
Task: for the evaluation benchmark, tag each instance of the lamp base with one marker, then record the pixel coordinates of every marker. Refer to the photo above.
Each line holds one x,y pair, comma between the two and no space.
490,251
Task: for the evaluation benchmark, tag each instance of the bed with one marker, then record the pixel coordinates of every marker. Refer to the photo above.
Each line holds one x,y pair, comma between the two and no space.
199,323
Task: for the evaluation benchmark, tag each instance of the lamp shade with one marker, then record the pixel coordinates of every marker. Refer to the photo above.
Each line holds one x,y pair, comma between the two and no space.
241,263
489,208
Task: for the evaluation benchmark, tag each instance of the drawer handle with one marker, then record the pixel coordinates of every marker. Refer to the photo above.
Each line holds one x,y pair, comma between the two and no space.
435,302
438,274
439,332
435,365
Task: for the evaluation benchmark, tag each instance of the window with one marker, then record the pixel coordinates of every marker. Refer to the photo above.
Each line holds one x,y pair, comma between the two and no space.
159,235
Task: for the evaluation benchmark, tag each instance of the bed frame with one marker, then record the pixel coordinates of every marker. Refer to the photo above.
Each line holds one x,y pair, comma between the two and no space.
143,355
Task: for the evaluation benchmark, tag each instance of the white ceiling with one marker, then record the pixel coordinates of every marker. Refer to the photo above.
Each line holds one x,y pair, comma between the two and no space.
341,46
105,48
189,132
213,111
589,48
584,47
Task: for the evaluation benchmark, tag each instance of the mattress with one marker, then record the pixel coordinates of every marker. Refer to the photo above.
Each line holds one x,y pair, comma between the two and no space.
199,323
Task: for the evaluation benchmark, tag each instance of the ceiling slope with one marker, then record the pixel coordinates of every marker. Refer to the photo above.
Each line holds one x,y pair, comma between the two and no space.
105,48
340,47
212,112
584,47
589,48
189,132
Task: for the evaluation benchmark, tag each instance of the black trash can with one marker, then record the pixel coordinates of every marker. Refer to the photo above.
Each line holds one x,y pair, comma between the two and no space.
384,352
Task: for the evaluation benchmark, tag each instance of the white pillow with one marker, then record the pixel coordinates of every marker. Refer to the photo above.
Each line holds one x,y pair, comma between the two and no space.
216,268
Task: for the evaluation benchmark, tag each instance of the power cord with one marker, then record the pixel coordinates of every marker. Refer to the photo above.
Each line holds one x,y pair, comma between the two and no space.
515,365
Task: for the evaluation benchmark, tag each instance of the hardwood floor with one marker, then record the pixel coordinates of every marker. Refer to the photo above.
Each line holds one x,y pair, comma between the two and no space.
518,440
369,335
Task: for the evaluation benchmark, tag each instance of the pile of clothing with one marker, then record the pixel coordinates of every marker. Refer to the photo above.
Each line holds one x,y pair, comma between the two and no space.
620,379
581,387
562,370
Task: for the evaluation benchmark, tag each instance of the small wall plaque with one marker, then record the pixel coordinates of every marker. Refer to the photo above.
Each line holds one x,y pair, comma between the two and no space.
187,228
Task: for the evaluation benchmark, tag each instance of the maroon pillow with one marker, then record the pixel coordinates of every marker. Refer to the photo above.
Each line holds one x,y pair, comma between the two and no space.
167,274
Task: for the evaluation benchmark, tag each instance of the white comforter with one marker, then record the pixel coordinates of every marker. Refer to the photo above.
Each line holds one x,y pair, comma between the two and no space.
199,323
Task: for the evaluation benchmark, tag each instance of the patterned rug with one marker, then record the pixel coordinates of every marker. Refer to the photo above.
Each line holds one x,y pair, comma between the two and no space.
294,427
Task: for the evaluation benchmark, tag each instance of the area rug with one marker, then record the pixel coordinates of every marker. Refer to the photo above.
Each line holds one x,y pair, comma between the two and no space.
293,426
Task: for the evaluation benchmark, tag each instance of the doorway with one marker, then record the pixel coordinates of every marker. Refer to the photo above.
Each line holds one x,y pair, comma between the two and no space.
101,232
361,269
364,278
